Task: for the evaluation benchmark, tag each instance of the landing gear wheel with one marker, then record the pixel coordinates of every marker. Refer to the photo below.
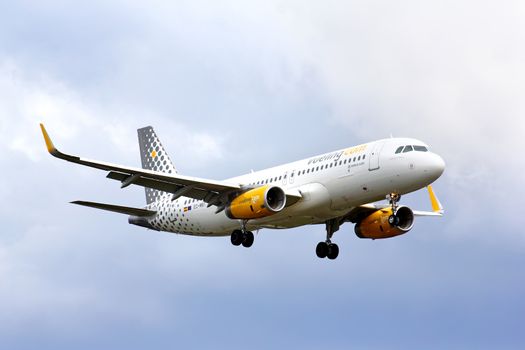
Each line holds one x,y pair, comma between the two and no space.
393,220
237,237
248,239
321,250
333,251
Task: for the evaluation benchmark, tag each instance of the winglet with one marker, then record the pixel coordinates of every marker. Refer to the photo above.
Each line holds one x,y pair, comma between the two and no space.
50,147
436,205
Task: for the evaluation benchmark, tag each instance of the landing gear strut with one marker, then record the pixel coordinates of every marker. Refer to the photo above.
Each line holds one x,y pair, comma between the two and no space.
242,236
393,199
327,249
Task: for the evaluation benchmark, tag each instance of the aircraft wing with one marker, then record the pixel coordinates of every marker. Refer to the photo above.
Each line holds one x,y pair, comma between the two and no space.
210,191
362,211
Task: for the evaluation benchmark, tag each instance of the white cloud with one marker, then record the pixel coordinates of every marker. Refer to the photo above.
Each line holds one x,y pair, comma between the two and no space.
77,122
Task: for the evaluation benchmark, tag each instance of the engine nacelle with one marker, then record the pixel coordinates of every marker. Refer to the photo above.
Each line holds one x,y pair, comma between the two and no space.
257,203
376,225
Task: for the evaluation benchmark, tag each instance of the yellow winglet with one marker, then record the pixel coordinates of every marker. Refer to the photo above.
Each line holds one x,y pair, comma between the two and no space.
436,206
50,147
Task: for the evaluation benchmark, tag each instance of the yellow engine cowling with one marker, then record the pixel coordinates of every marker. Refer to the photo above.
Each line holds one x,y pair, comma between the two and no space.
376,225
257,203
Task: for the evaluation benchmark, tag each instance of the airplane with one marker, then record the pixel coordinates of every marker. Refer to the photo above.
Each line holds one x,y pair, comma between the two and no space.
331,189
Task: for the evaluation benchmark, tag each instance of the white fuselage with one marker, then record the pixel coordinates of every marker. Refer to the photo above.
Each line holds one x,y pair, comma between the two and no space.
330,185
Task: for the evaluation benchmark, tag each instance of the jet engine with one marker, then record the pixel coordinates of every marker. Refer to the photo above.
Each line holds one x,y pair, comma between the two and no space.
378,224
257,203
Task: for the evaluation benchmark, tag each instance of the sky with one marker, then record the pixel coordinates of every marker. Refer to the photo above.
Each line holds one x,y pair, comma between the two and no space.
235,86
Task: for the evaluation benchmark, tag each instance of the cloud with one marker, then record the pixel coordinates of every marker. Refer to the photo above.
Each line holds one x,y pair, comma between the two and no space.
70,117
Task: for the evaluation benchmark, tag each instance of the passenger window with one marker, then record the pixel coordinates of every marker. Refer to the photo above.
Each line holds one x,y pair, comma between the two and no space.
420,149
359,158
364,156
399,149
280,177
317,169
354,159
408,149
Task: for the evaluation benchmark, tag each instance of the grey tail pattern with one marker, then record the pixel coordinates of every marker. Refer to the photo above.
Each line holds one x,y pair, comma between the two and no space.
154,157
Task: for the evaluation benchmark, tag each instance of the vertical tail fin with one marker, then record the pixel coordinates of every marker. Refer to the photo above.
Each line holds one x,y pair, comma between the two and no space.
154,157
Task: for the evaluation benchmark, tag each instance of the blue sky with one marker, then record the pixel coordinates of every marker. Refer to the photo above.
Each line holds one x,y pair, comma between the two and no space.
236,86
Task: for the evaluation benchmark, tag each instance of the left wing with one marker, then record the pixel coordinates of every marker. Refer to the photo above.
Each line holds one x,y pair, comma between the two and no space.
362,211
210,191
437,208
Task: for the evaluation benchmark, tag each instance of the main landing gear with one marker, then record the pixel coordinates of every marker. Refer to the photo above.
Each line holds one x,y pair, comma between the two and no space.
242,236
393,199
327,249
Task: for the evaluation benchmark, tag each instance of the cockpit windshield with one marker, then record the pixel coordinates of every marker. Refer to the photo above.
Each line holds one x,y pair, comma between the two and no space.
410,148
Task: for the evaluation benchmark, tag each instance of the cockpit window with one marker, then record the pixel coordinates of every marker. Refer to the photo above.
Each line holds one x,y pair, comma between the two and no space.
408,149
420,149
399,149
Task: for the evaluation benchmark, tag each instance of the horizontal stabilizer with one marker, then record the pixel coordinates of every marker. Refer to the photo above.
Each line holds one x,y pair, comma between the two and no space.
117,208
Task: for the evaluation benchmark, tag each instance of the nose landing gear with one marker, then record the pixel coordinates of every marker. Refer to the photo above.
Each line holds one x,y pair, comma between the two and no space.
393,199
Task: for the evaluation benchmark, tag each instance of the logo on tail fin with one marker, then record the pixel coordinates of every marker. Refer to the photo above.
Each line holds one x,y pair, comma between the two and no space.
154,157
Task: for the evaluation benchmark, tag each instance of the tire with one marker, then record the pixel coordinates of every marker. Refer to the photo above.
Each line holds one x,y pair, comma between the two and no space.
321,250
237,237
248,239
392,220
333,251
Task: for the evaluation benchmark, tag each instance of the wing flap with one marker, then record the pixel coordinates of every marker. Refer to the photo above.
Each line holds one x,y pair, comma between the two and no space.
165,186
117,208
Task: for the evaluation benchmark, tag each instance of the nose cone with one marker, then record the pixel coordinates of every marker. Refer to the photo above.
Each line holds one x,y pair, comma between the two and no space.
435,165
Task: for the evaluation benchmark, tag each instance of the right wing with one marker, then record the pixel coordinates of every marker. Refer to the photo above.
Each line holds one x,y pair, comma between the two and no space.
210,191
179,185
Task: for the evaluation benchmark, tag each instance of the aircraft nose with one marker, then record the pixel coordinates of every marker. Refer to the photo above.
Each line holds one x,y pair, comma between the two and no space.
435,166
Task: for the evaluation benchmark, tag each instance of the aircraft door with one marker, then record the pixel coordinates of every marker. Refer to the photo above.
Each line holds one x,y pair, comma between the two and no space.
292,176
374,155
